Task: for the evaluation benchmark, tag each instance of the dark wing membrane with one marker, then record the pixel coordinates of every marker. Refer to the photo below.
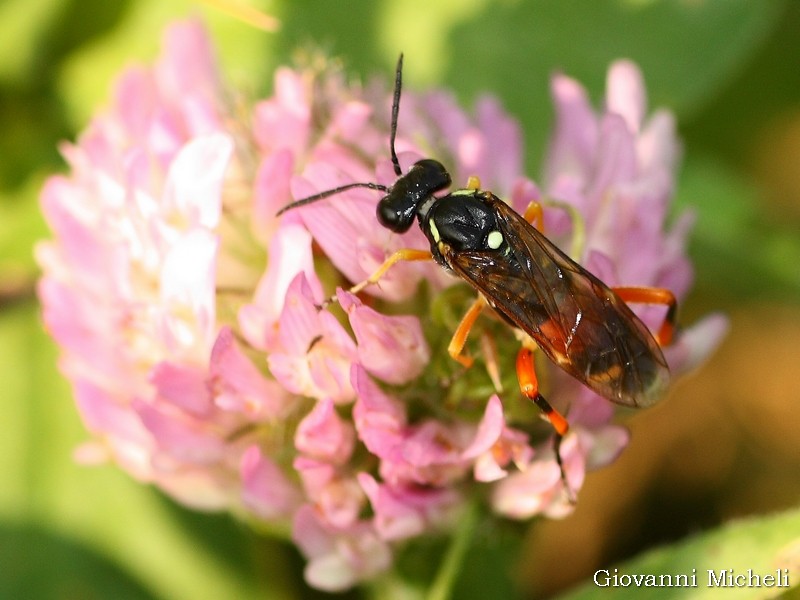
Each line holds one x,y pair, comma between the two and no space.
575,318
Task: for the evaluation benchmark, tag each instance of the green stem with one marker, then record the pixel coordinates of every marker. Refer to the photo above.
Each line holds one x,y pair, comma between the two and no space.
442,587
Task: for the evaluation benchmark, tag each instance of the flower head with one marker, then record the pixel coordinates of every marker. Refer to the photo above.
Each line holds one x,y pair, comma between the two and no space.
193,330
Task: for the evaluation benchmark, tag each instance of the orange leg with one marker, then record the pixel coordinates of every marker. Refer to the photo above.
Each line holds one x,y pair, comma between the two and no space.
488,348
459,338
653,295
404,254
529,386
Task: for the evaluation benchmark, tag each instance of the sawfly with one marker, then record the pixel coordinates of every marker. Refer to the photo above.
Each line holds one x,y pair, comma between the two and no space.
582,325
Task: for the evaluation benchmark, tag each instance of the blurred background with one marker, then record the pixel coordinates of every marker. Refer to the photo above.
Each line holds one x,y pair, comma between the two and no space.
725,445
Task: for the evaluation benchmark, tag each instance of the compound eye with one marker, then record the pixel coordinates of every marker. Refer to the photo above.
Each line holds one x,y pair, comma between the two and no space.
395,215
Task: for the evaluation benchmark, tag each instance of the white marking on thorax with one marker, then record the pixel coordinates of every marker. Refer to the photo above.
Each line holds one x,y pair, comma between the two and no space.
494,240
434,231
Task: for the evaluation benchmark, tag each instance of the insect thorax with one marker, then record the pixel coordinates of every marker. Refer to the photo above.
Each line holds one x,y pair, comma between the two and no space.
464,221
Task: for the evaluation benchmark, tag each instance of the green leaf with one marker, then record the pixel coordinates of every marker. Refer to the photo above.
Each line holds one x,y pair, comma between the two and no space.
764,545
476,561
687,50
23,23
73,570
732,245
490,564
21,222
88,76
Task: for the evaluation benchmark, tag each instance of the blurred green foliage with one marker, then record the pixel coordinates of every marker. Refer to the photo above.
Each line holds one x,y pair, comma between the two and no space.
69,532
767,546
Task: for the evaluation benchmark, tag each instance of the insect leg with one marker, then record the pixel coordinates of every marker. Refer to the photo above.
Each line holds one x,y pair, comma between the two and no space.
459,338
403,254
529,386
654,295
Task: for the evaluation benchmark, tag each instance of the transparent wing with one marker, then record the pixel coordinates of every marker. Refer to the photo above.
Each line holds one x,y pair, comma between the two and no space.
574,317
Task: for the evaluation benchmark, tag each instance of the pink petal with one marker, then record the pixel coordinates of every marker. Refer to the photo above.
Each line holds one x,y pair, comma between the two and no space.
291,372
503,145
289,256
283,122
310,534
271,192
239,386
102,413
338,559
299,318
696,343
338,498
265,488
322,434
526,494
489,429
351,120
573,147
615,159
314,352
625,93
80,240
181,438
658,145
330,373
346,230
187,290
187,63
136,100
487,469
379,419
193,189
185,386
85,330
402,512
605,445
392,348
198,488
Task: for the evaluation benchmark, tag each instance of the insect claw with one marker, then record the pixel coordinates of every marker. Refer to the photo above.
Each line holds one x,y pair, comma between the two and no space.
327,302
571,498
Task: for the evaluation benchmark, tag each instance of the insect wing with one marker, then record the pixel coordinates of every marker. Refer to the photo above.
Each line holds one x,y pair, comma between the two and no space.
574,318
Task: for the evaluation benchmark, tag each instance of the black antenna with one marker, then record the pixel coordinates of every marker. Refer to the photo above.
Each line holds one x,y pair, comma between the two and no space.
325,194
398,84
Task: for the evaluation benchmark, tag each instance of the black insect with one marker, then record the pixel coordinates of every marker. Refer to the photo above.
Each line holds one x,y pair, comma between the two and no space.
582,325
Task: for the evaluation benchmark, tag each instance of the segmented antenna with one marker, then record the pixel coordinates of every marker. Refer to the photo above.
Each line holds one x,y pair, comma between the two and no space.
398,84
325,194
